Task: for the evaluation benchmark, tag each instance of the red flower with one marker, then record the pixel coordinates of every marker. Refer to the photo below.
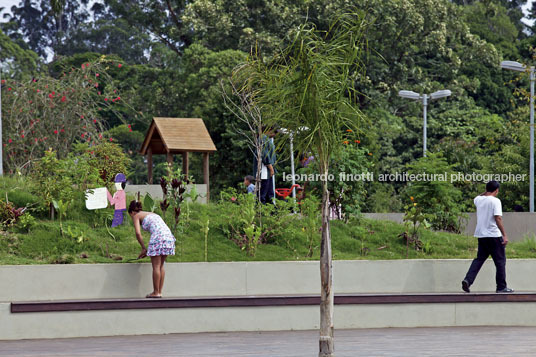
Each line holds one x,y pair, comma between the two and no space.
118,98
62,130
95,121
53,93
22,136
50,96
93,153
105,99
81,117
98,92
55,131
9,141
3,81
9,89
358,141
63,98
129,129
82,134
96,74
96,85
111,139
35,139
128,125
100,136
83,66
119,65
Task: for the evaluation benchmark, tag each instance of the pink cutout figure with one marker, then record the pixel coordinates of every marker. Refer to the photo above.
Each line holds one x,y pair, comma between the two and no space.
119,199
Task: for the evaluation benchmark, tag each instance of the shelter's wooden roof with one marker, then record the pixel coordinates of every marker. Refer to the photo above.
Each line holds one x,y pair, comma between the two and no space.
175,135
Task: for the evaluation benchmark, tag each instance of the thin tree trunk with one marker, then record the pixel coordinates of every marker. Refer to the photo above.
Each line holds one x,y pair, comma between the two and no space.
326,342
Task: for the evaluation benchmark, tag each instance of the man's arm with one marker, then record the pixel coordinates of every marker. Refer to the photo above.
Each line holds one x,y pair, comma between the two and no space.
498,220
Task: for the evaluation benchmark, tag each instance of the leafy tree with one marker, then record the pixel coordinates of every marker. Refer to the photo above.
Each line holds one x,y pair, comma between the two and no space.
44,25
18,60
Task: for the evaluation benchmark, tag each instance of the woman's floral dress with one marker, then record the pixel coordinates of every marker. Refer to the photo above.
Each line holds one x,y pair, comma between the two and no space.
162,241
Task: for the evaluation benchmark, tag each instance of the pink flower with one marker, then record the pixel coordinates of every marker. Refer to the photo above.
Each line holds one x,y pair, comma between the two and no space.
22,136
95,121
119,65
10,141
9,89
63,99
111,139
96,74
55,131
105,99
62,130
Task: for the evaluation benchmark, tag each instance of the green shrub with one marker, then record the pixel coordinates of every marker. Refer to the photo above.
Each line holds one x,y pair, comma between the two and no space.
439,198
25,223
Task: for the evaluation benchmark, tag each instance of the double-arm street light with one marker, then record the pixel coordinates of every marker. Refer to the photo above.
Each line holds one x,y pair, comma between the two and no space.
423,98
519,67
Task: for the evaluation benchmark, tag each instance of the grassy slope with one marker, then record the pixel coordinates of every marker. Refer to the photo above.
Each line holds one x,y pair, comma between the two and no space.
363,239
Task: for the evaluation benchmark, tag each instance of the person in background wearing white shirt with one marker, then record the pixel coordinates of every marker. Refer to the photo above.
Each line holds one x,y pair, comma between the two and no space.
492,238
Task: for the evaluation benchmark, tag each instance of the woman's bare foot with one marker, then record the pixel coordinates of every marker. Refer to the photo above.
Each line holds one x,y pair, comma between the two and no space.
153,295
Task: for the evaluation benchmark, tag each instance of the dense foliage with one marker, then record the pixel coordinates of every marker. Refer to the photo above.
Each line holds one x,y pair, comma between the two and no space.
174,53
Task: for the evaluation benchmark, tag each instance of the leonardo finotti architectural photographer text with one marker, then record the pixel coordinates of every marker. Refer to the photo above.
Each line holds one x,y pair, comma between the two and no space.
407,177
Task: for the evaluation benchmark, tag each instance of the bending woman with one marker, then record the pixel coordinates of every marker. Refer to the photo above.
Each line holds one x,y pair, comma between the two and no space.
161,244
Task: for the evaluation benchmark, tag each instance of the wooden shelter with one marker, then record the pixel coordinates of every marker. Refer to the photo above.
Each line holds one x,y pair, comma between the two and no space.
171,136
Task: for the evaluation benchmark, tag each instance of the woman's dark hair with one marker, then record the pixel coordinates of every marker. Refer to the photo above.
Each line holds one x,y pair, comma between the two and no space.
134,206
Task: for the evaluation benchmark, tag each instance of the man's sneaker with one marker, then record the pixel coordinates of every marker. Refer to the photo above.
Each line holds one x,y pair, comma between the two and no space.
506,290
465,286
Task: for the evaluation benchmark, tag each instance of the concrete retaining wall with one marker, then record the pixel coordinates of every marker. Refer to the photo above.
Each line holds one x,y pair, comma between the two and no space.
518,225
100,281
59,282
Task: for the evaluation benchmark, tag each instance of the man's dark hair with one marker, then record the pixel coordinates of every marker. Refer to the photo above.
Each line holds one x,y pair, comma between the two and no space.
249,178
492,186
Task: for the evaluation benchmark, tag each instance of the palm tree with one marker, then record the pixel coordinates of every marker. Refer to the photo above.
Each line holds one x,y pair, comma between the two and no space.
310,84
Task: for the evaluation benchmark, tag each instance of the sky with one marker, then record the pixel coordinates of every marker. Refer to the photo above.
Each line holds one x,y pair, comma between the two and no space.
7,4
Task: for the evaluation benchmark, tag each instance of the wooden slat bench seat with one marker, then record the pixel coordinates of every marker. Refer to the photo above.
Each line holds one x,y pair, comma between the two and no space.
265,300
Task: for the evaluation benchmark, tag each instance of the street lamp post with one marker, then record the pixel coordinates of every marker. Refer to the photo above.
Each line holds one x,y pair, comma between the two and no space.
516,66
424,98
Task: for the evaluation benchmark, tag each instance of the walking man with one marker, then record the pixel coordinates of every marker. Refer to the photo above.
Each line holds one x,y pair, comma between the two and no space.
491,238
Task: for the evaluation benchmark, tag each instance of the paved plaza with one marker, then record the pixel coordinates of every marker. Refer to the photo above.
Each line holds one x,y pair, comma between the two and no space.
449,341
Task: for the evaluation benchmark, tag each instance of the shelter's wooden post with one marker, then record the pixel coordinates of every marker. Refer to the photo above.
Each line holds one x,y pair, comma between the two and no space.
170,159
205,173
185,163
149,166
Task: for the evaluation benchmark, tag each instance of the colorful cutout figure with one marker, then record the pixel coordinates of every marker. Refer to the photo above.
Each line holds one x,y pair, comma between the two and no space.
119,199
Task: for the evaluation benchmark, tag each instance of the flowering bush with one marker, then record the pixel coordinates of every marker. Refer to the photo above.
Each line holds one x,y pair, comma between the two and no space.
46,112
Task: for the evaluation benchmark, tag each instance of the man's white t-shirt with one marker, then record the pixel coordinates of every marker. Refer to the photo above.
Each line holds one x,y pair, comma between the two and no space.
487,207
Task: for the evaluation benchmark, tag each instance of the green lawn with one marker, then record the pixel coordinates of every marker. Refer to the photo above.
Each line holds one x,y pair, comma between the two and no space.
87,240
